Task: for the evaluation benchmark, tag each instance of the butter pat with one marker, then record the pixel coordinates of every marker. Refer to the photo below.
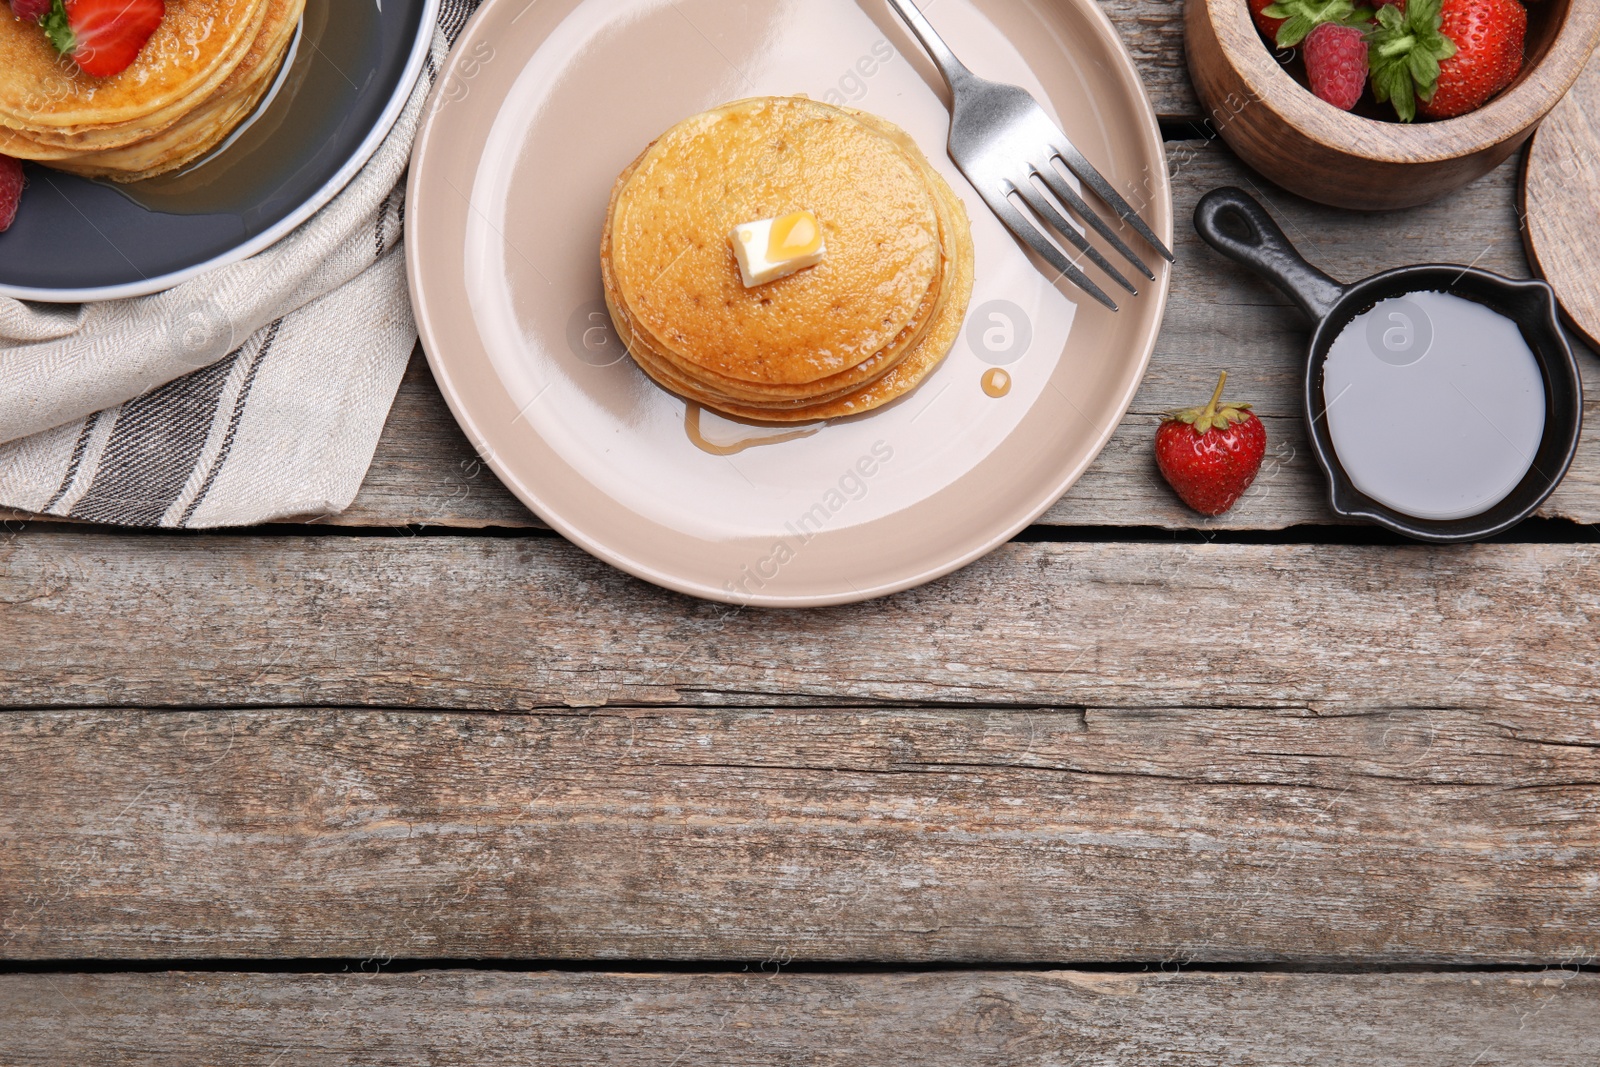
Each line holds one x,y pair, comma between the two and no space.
776,248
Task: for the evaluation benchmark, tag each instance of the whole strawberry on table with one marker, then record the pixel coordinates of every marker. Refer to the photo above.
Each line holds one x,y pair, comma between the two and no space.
1211,455
1437,58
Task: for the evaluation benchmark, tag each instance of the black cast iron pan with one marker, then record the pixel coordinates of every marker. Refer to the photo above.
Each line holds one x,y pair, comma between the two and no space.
1232,222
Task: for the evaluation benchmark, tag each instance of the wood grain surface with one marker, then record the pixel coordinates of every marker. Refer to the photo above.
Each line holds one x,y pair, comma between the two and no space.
1152,30
1220,318
1382,835
973,1019
491,623
1561,202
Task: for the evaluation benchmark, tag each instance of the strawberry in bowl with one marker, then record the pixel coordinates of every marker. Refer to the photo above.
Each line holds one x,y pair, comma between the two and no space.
1332,37
1437,58
1511,72
1446,58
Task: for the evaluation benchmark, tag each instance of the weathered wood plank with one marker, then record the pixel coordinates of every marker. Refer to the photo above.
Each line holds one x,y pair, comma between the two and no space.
1392,835
971,1019
425,473
1153,33
493,623
104,619
1220,318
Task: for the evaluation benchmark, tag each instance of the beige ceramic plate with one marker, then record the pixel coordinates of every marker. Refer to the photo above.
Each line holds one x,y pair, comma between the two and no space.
545,102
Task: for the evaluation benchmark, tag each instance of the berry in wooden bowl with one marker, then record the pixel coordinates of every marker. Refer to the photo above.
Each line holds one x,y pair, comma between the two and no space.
1262,103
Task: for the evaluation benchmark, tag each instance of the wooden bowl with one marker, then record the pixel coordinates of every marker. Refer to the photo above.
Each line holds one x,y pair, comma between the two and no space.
1312,148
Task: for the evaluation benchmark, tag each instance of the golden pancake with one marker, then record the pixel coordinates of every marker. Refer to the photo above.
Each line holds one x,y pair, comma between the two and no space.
902,378
209,124
740,390
719,391
673,269
196,47
669,372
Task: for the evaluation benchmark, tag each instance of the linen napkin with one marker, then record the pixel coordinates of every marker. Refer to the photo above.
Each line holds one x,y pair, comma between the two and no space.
255,392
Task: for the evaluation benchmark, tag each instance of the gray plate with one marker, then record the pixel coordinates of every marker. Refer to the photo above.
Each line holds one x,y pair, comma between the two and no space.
350,74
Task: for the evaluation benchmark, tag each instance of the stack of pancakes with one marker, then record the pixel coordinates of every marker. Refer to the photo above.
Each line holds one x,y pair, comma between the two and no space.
860,329
199,76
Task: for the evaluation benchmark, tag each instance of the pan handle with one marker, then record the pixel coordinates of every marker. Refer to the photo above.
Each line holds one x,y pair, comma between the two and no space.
1265,250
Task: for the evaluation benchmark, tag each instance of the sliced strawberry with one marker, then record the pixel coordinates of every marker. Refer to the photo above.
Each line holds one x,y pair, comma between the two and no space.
11,183
30,10
103,37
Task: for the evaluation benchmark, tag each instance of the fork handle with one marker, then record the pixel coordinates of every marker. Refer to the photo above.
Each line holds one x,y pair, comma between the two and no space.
955,72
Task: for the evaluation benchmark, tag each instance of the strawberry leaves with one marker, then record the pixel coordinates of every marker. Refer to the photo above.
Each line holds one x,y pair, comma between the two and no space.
58,28
1218,414
1405,52
1302,16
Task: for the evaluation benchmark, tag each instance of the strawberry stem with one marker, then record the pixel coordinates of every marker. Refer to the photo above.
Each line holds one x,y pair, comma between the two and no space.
1398,46
1216,397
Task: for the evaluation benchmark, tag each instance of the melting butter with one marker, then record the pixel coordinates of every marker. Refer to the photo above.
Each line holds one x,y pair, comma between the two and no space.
769,249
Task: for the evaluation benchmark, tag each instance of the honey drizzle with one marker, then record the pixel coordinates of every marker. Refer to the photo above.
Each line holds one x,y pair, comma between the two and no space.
691,426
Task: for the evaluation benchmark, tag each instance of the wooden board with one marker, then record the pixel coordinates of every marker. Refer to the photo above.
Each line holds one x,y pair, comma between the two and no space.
425,473
1561,202
1153,32
940,834
971,1019
490,623
1220,318
457,747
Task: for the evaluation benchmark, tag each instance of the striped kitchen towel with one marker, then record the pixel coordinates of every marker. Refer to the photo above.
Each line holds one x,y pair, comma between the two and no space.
255,392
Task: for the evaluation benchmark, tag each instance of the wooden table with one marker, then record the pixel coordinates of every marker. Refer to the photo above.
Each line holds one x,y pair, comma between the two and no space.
425,784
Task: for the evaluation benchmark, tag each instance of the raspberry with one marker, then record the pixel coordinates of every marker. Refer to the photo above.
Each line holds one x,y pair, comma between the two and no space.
10,190
30,10
1336,60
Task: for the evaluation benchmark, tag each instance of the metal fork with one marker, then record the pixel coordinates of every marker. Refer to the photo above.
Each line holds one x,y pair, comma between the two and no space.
1002,139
